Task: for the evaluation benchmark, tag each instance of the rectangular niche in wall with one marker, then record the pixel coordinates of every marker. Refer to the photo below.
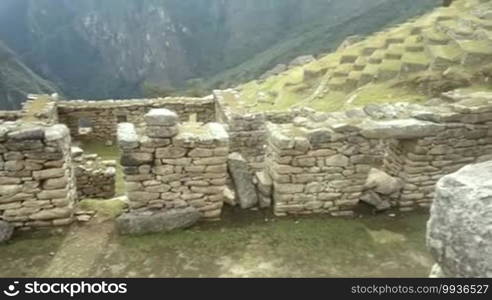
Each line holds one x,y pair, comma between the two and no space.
85,126
121,118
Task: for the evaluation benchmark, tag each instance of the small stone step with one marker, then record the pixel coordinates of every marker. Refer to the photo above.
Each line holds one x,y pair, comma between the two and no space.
360,63
434,37
455,29
338,83
414,44
350,55
444,56
343,70
395,51
389,69
415,61
369,74
377,57
353,79
476,52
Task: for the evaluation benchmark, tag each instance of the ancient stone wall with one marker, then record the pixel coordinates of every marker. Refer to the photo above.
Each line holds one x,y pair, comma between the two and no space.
40,108
37,186
99,119
8,115
318,171
247,130
323,167
173,165
95,178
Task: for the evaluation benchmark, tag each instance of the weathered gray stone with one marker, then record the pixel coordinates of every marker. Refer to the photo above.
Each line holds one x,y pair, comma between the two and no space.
400,129
6,231
127,136
243,181
56,132
337,161
162,131
54,213
161,117
135,158
230,197
319,136
373,199
382,183
49,173
264,183
459,232
218,132
27,134
136,223
76,152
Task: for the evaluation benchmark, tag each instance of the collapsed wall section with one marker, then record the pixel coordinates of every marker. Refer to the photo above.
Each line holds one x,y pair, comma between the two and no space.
37,186
99,119
247,129
173,165
95,178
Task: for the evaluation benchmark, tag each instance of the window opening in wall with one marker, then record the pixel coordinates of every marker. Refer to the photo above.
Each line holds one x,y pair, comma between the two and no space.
122,118
85,126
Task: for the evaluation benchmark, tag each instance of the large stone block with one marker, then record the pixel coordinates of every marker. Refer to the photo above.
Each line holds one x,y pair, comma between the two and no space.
127,136
54,213
161,117
401,129
243,181
162,131
137,223
27,134
49,173
459,230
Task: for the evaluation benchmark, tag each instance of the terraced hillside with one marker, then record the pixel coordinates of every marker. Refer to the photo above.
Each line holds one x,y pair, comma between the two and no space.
446,49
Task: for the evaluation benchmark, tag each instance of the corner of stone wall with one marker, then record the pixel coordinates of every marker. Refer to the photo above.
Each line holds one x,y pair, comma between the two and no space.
37,185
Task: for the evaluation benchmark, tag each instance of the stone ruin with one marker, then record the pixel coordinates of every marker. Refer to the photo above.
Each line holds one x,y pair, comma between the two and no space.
174,166
186,157
95,178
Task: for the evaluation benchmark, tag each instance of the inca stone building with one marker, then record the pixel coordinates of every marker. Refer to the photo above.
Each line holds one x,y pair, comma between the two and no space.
175,155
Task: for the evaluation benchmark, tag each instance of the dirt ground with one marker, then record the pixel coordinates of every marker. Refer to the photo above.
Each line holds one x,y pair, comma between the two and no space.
243,244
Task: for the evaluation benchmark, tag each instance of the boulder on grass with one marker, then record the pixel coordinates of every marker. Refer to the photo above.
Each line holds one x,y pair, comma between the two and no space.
6,231
138,223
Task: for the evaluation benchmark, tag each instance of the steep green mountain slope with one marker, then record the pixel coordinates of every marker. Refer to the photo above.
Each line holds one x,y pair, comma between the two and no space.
111,48
320,36
17,80
446,49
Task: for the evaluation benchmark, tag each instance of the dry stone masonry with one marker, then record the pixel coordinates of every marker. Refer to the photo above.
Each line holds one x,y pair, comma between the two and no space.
298,162
95,178
172,165
37,186
99,119
324,166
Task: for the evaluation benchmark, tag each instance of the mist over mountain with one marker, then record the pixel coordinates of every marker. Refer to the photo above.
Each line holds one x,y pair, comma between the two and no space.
97,49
